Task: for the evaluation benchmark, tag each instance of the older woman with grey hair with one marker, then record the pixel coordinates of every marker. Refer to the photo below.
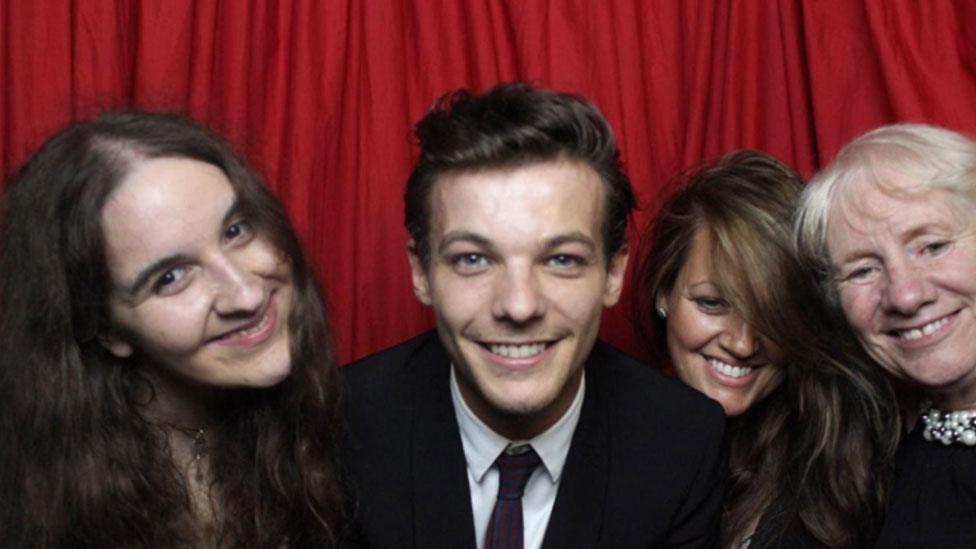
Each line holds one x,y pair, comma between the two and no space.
891,226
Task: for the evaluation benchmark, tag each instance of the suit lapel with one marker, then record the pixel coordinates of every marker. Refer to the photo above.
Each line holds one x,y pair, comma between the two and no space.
577,515
442,501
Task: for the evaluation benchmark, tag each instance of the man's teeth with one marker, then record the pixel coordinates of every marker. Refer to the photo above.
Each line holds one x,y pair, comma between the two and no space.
728,369
517,351
917,333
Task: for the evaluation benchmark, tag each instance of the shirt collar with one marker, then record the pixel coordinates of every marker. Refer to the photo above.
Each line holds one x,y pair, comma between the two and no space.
482,445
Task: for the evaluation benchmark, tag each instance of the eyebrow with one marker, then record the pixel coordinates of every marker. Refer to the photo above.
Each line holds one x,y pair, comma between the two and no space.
853,256
923,230
574,237
904,238
464,236
170,261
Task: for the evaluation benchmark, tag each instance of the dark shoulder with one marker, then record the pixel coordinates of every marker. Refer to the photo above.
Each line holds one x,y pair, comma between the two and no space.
644,386
385,366
649,404
665,452
384,384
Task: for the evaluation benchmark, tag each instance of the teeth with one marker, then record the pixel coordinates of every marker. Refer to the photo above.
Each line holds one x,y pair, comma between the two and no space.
917,333
728,369
256,328
517,351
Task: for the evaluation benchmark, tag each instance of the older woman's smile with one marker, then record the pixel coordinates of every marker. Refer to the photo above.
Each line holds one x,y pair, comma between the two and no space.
893,222
926,333
906,267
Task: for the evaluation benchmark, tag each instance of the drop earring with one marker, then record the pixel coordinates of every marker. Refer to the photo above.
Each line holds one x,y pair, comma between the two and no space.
662,312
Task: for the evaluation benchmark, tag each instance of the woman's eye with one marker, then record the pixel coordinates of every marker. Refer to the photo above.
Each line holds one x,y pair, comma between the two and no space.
171,281
860,274
934,248
712,304
238,230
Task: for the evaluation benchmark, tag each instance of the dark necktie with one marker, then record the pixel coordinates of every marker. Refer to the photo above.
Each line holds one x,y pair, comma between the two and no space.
515,466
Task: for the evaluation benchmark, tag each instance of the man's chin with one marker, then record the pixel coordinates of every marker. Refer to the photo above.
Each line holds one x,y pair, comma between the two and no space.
515,404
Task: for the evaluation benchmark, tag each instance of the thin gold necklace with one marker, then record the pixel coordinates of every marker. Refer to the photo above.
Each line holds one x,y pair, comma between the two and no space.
198,438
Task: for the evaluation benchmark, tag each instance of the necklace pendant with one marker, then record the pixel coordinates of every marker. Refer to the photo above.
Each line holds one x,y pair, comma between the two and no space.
199,449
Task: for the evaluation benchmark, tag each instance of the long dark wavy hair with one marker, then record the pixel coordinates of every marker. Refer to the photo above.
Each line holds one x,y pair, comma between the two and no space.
80,463
815,455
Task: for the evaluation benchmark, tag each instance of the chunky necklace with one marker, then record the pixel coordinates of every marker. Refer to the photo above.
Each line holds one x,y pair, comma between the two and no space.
950,426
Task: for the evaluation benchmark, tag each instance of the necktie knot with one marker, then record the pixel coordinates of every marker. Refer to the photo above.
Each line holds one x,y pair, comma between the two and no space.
515,466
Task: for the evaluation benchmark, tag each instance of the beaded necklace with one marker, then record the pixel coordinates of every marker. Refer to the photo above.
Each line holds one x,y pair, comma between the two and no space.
949,426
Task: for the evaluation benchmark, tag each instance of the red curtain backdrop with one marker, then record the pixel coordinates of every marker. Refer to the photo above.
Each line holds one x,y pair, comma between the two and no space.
320,95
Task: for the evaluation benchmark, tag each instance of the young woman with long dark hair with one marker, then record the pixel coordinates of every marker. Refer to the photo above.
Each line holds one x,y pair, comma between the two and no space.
167,377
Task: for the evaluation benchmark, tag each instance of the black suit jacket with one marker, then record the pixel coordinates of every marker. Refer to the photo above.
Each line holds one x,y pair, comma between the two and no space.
646,467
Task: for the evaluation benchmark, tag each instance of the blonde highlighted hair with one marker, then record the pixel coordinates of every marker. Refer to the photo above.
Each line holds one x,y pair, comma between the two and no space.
745,201
815,455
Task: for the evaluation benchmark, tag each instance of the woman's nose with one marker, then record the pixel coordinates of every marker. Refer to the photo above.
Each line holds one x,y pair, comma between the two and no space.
907,290
740,339
238,290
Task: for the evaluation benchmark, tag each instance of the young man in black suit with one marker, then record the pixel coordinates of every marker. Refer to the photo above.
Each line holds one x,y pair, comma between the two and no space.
511,425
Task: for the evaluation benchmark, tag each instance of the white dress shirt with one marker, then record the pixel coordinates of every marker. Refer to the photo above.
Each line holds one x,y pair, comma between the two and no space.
482,446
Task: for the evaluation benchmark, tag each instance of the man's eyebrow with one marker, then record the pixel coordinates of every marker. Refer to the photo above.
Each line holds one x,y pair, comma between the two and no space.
575,237
171,261
464,236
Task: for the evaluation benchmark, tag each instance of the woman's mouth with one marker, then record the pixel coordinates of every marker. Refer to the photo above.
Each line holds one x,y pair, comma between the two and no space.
917,333
728,369
254,332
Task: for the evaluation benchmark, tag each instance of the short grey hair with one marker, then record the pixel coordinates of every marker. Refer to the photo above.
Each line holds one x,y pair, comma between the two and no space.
931,156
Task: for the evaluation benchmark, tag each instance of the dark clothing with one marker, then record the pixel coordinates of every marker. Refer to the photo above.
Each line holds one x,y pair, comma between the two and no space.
933,503
646,467
770,535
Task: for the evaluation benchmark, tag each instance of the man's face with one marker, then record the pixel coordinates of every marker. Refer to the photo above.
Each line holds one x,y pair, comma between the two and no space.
518,279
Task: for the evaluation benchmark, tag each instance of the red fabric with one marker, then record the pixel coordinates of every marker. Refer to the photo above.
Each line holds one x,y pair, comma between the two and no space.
321,95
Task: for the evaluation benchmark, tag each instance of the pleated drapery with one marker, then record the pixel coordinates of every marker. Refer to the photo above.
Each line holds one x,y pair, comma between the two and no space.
320,95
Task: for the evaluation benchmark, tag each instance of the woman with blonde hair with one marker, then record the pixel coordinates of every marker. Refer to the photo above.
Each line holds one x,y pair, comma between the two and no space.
890,228
723,301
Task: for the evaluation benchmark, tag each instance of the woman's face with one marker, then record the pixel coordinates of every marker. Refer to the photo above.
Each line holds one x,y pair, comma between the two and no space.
711,347
904,263
196,290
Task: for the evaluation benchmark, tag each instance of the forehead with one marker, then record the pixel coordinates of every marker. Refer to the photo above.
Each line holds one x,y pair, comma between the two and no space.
530,201
698,264
896,207
160,207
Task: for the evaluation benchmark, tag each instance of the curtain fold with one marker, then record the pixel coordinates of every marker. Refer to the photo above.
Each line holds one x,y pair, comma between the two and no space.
320,95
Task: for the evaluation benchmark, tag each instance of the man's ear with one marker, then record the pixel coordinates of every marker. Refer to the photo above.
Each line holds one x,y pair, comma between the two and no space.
418,273
615,276
115,345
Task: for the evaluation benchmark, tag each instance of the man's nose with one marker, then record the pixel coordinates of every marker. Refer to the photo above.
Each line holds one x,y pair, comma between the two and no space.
518,296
